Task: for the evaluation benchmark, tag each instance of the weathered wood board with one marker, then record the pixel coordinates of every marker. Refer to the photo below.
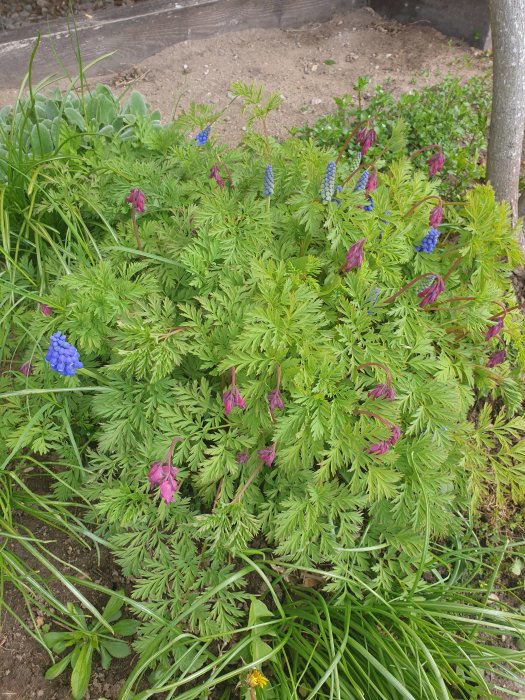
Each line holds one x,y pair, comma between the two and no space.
133,33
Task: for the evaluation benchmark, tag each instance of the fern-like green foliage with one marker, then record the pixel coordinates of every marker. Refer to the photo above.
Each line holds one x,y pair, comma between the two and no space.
228,279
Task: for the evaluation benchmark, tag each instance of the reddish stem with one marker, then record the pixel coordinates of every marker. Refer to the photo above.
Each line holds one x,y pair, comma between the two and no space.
375,415
409,284
425,148
454,265
421,201
383,367
175,440
135,229
233,376
278,377
511,308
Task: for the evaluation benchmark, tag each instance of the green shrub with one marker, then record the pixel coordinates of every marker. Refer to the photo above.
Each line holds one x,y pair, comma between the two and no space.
215,298
451,114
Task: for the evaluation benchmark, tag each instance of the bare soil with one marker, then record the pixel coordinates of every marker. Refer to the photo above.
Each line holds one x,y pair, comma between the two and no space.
292,61
23,661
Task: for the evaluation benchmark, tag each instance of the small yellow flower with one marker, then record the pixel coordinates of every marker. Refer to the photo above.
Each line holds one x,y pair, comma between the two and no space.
256,679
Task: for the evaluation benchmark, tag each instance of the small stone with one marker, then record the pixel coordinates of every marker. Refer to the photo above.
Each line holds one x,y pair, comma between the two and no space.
314,68
315,101
351,57
186,68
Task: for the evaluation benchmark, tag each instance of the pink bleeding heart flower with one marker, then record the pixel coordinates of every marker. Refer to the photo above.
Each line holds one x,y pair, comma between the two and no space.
26,369
267,455
156,473
436,216
395,435
379,448
275,400
354,257
216,175
369,140
435,163
137,199
371,183
431,293
497,358
382,391
242,457
231,399
168,487
492,331
361,135
46,310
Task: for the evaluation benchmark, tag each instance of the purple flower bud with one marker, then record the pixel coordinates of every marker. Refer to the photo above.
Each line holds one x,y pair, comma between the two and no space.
369,141
275,400
164,475
168,488
137,199
242,457
361,135
396,434
382,391
267,454
156,473
26,369
354,257
371,184
492,331
435,163
379,448
215,175
429,294
497,358
228,399
231,399
46,310
436,216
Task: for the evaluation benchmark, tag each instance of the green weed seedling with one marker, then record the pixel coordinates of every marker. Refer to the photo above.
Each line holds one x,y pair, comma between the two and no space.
84,640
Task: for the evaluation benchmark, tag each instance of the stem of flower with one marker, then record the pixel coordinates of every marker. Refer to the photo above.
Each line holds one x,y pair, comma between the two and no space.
511,308
252,476
454,265
421,201
175,440
349,138
383,367
233,376
217,496
135,229
448,301
371,414
409,284
425,148
278,377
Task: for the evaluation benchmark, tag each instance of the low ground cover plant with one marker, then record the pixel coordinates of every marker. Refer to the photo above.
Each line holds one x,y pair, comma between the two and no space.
268,351
452,113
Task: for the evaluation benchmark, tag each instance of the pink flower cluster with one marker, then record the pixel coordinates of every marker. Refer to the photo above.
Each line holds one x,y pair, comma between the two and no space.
380,448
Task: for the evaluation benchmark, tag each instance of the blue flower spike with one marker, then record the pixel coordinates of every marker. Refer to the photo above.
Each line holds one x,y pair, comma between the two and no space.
202,136
63,357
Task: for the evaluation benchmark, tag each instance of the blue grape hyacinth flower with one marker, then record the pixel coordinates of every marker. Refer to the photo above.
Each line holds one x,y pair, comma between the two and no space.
268,181
202,136
62,356
361,183
370,205
339,188
328,184
429,242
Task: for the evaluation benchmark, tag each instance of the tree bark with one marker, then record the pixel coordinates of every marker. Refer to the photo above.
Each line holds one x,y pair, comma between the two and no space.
507,18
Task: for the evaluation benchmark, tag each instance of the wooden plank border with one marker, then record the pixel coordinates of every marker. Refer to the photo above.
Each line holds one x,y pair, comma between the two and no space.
136,32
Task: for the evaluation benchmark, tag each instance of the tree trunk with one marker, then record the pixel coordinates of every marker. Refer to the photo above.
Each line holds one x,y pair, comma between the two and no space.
507,18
